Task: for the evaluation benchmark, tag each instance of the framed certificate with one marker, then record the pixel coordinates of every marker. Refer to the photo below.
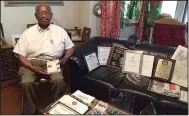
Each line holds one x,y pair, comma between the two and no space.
180,73
103,54
163,68
60,108
147,65
115,59
132,62
92,61
184,96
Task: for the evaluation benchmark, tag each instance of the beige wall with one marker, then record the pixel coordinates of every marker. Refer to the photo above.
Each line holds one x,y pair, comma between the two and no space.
73,13
83,13
94,21
15,19
87,18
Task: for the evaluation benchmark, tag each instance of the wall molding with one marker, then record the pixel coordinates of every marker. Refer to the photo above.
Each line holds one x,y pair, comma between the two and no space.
10,3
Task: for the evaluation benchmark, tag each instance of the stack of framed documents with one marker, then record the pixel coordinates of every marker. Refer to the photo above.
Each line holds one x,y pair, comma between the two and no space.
68,105
77,103
81,103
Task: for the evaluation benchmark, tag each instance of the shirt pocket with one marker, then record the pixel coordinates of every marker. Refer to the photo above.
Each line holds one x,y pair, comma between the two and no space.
59,47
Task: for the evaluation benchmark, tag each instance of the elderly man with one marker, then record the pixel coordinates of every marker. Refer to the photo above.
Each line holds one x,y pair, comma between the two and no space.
44,41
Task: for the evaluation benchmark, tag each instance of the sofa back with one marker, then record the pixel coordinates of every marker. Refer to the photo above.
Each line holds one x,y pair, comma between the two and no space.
90,46
156,50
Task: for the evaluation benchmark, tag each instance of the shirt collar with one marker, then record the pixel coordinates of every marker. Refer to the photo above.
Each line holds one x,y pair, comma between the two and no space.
43,30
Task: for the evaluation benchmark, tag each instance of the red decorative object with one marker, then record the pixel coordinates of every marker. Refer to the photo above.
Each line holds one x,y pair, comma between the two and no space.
169,34
185,45
140,27
110,18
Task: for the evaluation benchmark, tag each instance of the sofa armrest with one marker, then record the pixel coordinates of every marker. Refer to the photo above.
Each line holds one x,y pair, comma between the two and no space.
75,60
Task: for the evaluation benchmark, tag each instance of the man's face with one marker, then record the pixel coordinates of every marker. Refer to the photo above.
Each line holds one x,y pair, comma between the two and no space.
43,15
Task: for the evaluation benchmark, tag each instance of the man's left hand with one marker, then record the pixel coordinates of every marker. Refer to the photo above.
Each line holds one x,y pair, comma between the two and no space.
62,61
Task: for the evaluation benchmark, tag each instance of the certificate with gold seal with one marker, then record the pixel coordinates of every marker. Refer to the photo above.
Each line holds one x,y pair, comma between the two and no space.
164,68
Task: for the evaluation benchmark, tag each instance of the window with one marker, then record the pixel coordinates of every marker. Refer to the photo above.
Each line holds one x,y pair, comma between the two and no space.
169,7
131,9
126,5
185,17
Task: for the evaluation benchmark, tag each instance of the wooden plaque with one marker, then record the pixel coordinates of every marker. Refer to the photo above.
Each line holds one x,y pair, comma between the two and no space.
115,59
163,68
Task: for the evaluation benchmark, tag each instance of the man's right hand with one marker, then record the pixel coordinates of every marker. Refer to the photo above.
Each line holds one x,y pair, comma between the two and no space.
27,64
37,69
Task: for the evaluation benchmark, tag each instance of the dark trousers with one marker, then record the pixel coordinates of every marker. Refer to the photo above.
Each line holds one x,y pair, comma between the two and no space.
30,84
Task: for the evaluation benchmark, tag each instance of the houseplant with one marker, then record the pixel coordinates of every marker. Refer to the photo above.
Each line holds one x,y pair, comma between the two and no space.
129,13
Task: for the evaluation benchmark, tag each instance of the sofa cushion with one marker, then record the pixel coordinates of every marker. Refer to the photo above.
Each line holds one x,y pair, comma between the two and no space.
108,75
134,80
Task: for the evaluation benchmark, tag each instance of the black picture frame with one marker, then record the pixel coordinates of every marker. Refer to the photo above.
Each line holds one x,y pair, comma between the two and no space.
85,55
1,30
86,33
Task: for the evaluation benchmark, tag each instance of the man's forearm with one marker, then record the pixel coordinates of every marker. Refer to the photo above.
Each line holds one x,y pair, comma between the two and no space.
68,54
25,62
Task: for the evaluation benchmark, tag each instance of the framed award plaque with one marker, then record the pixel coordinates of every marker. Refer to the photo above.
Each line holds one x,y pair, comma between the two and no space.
163,68
115,59
132,62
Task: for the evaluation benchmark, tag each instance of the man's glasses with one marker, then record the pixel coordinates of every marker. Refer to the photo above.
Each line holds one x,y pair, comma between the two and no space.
45,13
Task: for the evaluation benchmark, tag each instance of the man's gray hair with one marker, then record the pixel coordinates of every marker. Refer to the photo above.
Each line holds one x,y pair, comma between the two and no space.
42,5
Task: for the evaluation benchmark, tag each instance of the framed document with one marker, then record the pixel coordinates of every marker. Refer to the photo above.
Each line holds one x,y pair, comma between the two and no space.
180,73
184,96
147,65
132,62
115,59
163,68
53,67
103,54
92,61
59,108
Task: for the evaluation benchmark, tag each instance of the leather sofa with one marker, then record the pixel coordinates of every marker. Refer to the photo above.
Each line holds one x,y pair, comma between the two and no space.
98,82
